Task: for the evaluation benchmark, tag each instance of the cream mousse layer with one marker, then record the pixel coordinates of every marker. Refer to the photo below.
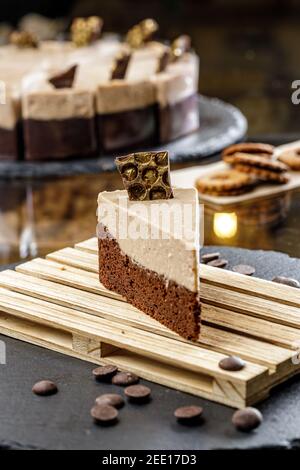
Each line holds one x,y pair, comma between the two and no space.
169,253
42,101
178,82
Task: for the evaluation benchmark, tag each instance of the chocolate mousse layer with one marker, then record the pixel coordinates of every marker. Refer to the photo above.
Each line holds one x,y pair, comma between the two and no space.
59,139
179,119
173,305
125,129
10,144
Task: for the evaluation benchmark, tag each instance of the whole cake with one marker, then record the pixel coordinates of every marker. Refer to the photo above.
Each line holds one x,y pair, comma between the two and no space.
95,94
149,243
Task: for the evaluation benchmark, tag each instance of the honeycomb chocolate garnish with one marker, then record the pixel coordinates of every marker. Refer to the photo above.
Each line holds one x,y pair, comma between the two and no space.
180,46
141,33
137,192
150,175
65,79
23,40
85,31
158,192
143,157
129,172
120,66
146,175
148,27
162,159
164,61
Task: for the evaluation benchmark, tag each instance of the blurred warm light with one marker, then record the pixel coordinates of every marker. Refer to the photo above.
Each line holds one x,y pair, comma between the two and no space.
225,224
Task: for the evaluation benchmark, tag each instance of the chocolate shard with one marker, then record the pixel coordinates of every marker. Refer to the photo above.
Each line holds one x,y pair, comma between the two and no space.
65,79
146,175
120,66
141,33
85,31
23,40
164,61
180,46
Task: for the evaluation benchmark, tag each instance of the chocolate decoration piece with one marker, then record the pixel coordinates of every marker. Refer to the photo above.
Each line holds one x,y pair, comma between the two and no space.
105,373
120,66
138,393
65,79
146,175
148,27
218,263
287,281
23,40
125,379
164,61
85,31
247,419
232,363
188,414
208,257
45,388
141,33
180,46
104,414
244,269
111,399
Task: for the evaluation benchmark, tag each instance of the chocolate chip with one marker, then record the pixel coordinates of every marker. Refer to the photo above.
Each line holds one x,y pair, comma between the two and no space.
125,378
105,373
244,269
45,388
218,263
287,281
232,363
104,414
208,257
111,399
247,419
188,414
138,393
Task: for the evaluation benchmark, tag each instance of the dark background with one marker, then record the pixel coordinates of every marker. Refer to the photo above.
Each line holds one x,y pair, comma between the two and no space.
249,49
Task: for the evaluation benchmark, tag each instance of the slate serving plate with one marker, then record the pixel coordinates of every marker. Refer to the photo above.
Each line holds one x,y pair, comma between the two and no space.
221,125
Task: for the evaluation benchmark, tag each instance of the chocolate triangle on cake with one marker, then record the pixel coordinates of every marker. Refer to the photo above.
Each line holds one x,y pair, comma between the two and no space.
149,247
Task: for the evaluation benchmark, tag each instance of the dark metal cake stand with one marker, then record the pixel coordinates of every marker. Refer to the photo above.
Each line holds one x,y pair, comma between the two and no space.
221,125
63,421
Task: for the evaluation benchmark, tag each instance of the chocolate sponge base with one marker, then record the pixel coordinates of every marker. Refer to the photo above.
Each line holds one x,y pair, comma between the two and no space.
59,139
173,305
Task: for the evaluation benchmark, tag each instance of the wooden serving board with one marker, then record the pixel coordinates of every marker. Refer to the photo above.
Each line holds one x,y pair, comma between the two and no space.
58,303
187,177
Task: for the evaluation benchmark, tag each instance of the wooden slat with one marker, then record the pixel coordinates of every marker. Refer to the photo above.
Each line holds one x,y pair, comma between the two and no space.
281,335
59,303
76,258
213,338
264,309
251,286
141,342
242,302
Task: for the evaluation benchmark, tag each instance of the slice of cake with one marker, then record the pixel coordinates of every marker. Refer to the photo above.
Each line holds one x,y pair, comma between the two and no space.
58,116
149,248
